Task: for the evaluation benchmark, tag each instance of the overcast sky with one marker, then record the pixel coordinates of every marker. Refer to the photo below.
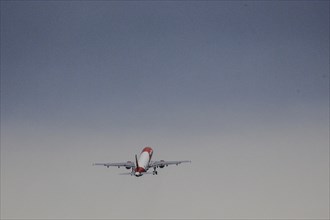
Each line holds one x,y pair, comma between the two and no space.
239,88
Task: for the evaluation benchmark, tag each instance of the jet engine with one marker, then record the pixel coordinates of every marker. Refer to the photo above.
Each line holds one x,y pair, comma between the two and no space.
161,165
129,162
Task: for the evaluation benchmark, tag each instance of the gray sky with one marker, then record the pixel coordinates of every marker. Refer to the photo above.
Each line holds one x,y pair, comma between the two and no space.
239,88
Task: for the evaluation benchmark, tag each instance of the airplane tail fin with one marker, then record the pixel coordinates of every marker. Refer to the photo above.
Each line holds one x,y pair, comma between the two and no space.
136,161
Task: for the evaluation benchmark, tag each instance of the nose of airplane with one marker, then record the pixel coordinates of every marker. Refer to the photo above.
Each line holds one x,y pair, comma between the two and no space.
137,174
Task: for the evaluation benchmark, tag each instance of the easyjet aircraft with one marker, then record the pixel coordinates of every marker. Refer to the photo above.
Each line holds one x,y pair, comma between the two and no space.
142,164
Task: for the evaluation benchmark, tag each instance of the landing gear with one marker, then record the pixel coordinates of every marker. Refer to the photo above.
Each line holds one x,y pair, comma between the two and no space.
155,171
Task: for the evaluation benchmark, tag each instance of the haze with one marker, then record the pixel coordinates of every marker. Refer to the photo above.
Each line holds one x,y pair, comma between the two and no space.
239,88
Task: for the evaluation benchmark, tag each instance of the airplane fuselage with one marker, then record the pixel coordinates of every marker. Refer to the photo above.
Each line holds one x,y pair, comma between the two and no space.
142,164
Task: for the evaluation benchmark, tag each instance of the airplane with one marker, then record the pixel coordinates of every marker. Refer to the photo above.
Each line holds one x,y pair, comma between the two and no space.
142,164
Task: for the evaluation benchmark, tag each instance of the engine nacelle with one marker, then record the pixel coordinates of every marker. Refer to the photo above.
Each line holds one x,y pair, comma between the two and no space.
162,165
129,162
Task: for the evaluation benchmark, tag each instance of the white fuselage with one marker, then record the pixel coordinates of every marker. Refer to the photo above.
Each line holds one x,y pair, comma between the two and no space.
142,164
144,160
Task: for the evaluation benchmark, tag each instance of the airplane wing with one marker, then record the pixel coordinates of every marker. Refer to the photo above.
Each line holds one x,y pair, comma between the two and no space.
123,164
162,163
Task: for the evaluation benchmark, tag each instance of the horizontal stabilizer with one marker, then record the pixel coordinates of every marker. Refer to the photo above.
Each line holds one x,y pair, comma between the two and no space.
130,173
